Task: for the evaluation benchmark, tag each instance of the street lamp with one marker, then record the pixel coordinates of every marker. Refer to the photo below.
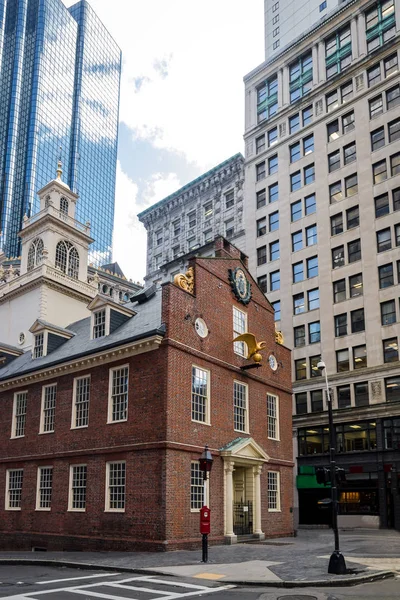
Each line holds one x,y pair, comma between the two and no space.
205,465
337,563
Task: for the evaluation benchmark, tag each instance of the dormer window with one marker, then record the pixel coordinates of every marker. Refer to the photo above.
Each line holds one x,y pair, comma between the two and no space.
67,259
38,347
64,207
99,324
35,254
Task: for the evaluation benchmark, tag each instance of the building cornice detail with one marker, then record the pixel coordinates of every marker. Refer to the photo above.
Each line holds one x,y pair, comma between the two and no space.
76,364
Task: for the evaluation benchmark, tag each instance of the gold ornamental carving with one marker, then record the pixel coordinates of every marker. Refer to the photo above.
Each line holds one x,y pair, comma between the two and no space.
253,346
185,281
279,337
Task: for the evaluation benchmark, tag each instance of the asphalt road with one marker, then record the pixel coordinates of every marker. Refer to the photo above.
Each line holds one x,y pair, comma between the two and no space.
62,583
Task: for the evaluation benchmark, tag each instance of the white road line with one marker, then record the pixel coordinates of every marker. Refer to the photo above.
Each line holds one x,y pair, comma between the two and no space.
199,592
152,579
96,594
75,578
138,589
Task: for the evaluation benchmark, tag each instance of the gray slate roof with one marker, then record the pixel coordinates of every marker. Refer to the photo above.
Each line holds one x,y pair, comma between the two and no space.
145,323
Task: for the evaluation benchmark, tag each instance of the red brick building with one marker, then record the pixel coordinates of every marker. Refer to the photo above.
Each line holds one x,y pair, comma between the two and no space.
102,423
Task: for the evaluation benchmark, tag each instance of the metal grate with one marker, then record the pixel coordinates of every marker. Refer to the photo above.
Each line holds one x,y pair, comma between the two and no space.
243,518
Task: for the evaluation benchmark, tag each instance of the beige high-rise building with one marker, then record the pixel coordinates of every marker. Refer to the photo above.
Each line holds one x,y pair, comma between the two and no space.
322,189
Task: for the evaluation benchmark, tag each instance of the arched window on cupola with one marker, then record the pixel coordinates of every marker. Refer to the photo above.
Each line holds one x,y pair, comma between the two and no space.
67,259
35,254
64,207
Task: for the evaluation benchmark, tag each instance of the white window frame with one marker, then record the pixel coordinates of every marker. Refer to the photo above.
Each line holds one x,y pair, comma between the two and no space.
42,419
195,463
276,493
110,395
38,488
239,348
7,498
14,415
207,407
107,504
245,409
106,310
70,489
74,405
274,417
44,332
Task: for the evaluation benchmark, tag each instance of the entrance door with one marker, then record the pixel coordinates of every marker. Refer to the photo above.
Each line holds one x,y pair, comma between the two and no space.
242,502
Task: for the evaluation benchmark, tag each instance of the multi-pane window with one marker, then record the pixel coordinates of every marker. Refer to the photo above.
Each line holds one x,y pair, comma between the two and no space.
380,24
274,500
390,350
294,123
295,181
260,144
273,416
379,171
343,396
299,334
67,259
260,171
273,221
395,164
381,205
377,138
392,389
38,346
337,224
334,161
298,304
49,394
354,251
353,217
196,486
346,91
300,77
314,332
332,100
375,106
272,136
383,240
116,486
312,266
342,360
295,152
314,370
311,235
335,192
295,210
261,226
300,369
44,488
273,164
274,250
348,122
176,225
301,403
267,99
78,480
390,64
357,320
313,299
341,325
307,115
99,324
277,310
374,75
239,327
337,257
80,414
394,130
273,193
338,52
356,285
240,413
351,185
274,281
229,199
396,199
297,241
359,357
388,312
339,291
298,272
35,254
19,414
118,399
261,255
262,283
392,97
309,174
200,395
260,198
15,479
308,144
310,205
349,153
229,228
392,426
386,277
333,130
316,401
361,396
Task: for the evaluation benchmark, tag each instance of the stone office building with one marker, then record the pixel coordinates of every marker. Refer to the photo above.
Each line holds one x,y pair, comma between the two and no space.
322,188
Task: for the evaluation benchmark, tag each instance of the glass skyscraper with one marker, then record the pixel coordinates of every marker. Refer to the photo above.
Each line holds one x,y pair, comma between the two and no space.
59,94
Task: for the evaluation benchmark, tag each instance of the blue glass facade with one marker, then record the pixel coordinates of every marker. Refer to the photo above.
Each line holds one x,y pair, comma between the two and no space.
59,87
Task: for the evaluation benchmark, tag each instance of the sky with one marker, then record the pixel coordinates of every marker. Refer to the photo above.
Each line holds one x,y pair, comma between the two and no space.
182,99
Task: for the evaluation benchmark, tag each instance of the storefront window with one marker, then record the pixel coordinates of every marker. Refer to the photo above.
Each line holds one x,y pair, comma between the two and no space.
358,502
391,431
351,437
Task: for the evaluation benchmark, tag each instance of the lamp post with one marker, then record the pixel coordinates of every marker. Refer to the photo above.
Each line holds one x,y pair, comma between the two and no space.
205,465
337,564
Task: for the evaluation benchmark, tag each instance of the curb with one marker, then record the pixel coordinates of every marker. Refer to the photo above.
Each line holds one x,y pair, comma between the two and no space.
345,582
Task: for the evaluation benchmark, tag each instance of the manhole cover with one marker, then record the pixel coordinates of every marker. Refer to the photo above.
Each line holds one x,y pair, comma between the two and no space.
297,597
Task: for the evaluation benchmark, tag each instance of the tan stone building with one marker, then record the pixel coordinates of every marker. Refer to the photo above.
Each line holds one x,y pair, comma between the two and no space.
322,221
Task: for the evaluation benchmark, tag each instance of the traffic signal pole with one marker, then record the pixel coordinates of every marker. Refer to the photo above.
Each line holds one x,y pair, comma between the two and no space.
337,563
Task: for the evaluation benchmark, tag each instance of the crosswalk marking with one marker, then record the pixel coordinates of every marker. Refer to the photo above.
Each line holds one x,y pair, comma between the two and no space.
75,578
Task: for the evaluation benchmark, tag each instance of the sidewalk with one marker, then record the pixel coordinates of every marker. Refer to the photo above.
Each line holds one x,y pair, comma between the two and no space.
283,562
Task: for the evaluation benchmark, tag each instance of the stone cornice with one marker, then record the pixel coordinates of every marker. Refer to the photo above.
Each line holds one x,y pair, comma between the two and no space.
80,363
